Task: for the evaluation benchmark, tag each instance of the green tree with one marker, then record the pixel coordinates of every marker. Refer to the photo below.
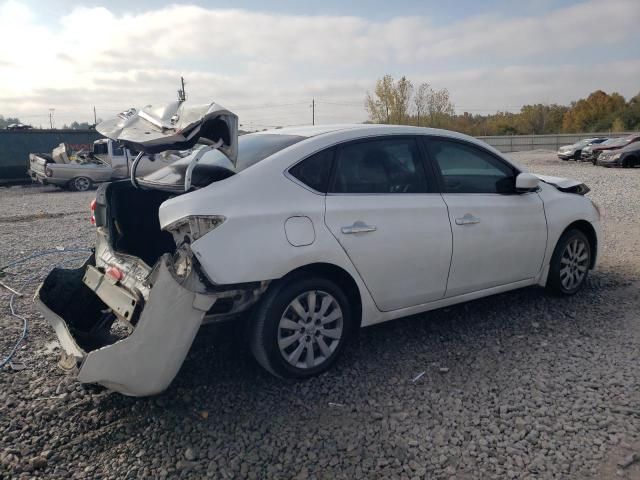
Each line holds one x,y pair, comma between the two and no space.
5,122
618,125
631,113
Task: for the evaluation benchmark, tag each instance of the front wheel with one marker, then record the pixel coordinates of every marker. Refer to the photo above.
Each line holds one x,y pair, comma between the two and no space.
570,263
300,327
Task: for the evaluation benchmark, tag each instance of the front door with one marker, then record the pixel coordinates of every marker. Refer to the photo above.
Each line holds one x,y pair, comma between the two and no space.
381,209
499,235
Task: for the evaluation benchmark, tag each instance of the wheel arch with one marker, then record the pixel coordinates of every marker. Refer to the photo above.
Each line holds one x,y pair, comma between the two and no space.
338,275
585,227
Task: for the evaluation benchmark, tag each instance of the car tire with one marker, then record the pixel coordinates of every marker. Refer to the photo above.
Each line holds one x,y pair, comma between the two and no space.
577,155
80,184
291,342
570,263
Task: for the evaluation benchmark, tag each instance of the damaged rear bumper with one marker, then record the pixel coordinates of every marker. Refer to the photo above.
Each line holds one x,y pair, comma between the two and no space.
146,361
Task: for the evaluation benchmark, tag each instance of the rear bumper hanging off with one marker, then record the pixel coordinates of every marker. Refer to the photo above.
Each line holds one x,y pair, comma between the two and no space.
146,361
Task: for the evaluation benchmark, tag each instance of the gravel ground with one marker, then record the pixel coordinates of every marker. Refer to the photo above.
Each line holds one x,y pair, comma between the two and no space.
519,385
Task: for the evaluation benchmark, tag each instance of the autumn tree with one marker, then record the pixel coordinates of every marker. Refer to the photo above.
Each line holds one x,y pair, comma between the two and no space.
391,101
398,102
595,113
540,118
440,108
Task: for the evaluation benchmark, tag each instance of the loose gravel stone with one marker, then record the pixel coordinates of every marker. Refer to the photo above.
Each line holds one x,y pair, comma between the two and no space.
536,386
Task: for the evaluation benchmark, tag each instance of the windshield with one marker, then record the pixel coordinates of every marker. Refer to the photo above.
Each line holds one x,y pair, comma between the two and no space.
617,141
216,166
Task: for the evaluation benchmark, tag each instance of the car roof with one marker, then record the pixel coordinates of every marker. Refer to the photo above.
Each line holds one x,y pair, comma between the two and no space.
357,130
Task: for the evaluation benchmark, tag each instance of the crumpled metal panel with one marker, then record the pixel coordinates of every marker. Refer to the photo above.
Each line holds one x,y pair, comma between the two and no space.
174,126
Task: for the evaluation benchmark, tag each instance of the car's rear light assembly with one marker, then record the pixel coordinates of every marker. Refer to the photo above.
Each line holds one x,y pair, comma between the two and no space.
92,206
194,226
48,172
114,273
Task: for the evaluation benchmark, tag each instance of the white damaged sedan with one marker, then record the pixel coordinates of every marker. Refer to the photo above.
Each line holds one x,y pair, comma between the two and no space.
304,233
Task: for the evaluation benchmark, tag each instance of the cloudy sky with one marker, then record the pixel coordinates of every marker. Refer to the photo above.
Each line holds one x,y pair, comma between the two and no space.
267,60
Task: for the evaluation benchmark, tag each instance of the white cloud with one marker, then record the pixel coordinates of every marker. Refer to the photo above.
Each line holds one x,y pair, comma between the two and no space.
90,56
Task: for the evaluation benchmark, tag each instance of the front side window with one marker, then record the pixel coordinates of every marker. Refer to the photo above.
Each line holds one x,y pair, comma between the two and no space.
469,169
379,166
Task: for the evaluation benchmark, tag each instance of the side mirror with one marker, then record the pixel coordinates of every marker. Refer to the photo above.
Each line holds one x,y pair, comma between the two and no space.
526,182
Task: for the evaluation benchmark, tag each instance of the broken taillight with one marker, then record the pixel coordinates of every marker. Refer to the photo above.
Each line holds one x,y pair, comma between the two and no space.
115,273
92,206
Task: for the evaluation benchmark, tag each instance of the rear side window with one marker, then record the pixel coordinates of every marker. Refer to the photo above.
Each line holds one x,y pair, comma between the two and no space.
469,169
254,148
314,171
390,165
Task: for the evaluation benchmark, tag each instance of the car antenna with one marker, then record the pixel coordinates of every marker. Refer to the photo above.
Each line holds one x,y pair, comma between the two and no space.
182,94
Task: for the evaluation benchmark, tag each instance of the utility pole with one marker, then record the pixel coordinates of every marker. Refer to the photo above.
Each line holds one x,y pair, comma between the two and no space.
95,117
51,110
313,111
182,95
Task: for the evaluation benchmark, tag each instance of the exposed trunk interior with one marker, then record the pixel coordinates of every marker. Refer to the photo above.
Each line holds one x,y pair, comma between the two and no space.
133,222
86,315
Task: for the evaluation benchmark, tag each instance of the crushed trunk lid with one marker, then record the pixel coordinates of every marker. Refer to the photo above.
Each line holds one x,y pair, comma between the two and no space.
175,126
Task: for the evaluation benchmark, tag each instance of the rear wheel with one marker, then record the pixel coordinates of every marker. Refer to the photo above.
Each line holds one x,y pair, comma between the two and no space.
80,184
300,327
570,263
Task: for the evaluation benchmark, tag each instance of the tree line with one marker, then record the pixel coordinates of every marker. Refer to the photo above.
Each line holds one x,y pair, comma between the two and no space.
400,102
6,121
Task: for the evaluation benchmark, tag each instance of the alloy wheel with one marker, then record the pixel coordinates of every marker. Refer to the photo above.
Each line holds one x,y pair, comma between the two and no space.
574,263
310,329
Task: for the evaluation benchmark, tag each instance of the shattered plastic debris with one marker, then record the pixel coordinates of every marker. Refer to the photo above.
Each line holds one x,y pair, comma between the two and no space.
418,377
17,366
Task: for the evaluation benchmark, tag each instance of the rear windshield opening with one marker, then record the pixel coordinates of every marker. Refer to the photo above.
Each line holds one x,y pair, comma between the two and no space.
215,166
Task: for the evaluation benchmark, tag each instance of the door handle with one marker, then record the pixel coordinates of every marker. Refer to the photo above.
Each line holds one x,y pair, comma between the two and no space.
468,219
358,227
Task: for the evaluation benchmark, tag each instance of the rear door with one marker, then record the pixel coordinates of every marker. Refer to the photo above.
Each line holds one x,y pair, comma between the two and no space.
499,235
386,214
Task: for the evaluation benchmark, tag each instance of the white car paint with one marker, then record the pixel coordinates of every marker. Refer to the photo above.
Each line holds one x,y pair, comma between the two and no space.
406,253
402,267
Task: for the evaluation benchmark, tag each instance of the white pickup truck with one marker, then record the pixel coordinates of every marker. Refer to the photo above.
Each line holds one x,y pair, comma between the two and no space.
108,161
